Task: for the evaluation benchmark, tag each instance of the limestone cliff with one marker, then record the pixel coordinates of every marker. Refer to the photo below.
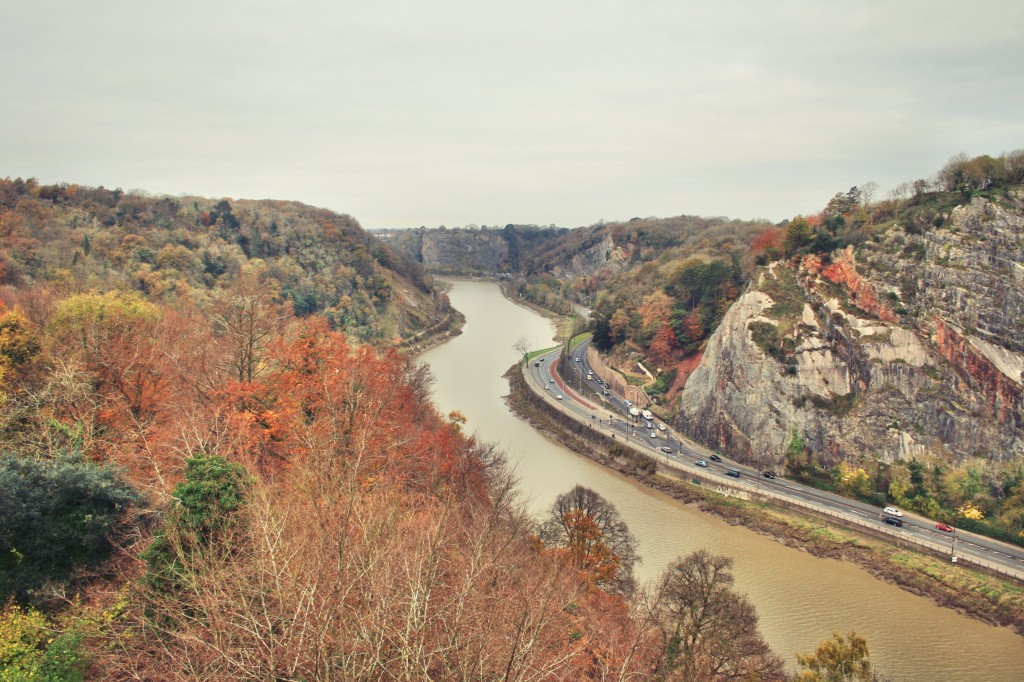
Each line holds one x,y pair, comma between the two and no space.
910,345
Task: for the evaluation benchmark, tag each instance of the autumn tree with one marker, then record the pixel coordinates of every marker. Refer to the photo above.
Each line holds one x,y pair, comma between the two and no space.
19,345
245,318
587,531
664,347
710,630
838,659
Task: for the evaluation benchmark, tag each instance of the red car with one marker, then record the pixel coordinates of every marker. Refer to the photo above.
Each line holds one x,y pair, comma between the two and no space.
944,527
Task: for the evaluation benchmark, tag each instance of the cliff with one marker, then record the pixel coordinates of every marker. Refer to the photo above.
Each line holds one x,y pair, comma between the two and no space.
908,346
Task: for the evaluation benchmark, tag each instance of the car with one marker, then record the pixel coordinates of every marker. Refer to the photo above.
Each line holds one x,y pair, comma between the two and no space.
589,377
892,511
661,427
653,434
893,521
629,403
666,449
547,388
733,473
769,474
715,458
649,425
701,463
944,527
558,397
552,380
607,392
576,359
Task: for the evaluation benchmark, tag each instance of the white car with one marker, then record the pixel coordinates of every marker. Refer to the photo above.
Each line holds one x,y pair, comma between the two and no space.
892,511
558,397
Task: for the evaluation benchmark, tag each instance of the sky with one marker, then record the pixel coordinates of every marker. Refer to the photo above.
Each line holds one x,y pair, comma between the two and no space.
457,112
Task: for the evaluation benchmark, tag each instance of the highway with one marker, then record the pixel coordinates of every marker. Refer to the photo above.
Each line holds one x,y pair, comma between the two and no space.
588,399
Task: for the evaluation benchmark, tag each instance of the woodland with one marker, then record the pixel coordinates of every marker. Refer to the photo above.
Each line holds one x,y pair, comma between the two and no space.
216,466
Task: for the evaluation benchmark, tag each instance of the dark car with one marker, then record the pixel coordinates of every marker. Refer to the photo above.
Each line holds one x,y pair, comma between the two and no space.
733,473
893,521
715,458
944,527
769,474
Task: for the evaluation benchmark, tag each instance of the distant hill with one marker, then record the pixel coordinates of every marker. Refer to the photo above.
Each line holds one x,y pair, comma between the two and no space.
558,267
79,238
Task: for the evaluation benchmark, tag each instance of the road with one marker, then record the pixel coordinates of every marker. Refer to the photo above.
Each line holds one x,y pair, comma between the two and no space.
589,399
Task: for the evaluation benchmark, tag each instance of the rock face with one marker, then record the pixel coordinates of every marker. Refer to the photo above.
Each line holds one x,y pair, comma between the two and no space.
457,251
911,346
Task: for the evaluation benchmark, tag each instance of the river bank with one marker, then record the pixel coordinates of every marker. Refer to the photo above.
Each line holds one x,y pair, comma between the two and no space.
967,591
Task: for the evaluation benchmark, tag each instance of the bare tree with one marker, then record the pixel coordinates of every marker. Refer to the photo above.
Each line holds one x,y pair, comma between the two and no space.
710,630
246,318
522,346
867,193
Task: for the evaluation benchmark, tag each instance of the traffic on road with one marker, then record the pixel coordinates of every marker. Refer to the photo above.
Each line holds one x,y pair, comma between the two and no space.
584,393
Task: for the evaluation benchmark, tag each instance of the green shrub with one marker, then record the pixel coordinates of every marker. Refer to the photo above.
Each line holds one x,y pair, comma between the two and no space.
31,650
204,505
55,517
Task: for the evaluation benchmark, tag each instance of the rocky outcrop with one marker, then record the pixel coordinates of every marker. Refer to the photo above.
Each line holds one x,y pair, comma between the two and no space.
463,251
604,255
908,347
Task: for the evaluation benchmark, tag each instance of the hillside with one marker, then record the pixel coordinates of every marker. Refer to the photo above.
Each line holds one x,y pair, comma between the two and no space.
74,238
209,472
889,369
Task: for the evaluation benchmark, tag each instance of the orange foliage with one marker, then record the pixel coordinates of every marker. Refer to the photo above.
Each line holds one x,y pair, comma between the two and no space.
664,348
771,238
585,549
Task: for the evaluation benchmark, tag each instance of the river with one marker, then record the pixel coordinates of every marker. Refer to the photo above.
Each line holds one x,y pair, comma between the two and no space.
800,599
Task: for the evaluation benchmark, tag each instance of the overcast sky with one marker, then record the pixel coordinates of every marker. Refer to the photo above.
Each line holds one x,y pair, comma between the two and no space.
466,111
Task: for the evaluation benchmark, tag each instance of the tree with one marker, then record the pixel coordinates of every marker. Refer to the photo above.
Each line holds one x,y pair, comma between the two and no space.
203,507
587,530
246,318
522,346
664,347
837,660
867,193
55,517
710,630
798,235
29,650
